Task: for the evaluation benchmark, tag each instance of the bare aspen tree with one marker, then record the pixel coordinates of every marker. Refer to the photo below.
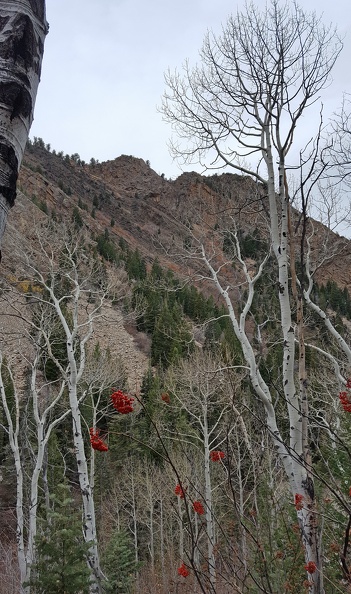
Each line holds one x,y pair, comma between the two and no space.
198,386
78,328
22,33
124,494
241,107
69,296
340,149
46,415
101,372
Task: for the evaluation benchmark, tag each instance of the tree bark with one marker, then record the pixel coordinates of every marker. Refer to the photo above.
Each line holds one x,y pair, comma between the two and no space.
23,28
73,377
208,500
26,515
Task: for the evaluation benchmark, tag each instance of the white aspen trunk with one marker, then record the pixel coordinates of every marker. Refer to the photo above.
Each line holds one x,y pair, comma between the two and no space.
45,479
322,314
208,503
243,540
22,33
253,86
180,528
19,514
151,529
42,442
13,434
292,454
195,547
308,518
26,550
300,480
89,525
92,453
280,242
162,543
258,383
135,520
73,377
33,506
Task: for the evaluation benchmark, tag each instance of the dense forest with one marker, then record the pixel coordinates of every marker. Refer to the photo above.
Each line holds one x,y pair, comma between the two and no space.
219,463
188,491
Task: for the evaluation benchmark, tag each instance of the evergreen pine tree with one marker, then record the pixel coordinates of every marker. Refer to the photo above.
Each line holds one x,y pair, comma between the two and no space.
61,566
171,338
119,563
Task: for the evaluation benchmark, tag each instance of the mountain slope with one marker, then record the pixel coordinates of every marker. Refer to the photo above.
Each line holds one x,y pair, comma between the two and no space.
159,217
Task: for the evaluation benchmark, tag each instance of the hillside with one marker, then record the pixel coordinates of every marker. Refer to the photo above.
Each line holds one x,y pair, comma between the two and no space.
161,219
157,216
195,424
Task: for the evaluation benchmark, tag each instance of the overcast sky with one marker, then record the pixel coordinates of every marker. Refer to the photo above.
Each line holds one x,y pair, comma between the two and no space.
104,64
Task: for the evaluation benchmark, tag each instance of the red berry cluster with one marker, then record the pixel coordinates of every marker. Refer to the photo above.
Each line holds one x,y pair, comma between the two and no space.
179,491
198,507
310,567
345,402
298,501
122,402
96,442
344,397
216,455
182,570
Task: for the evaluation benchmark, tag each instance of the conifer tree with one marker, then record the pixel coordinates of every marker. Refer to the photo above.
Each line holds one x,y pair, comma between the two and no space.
61,566
120,563
171,338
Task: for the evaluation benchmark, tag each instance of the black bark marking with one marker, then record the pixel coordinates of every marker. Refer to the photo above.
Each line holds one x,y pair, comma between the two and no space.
19,43
24,42
23,78
40,46
3,21
38,8
8,171
309,487
16,98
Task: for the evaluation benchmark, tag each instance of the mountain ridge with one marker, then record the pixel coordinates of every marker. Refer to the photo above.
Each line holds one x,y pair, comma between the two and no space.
159,217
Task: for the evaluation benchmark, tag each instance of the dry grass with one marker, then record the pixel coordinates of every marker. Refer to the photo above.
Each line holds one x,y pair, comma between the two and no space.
9,574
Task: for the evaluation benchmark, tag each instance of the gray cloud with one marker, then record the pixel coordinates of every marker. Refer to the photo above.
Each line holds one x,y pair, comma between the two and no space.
103,71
